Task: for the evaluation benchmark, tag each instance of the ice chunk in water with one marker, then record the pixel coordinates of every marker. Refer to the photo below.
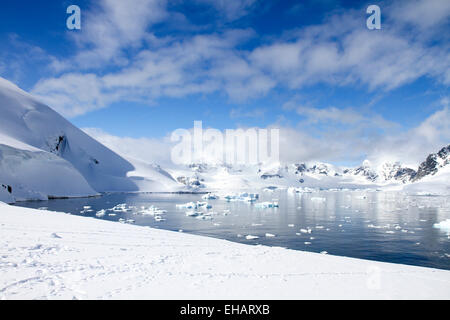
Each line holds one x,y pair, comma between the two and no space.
266,205
444,225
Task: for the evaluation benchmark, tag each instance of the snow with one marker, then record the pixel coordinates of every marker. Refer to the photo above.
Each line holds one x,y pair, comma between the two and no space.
5,196
45,151
43,155
438,184
444,225
39,175
48,255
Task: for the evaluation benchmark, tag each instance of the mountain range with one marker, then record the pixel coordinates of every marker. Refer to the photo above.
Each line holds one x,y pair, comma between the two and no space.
42,155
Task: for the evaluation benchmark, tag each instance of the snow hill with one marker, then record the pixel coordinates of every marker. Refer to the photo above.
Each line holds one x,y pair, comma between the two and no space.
43,155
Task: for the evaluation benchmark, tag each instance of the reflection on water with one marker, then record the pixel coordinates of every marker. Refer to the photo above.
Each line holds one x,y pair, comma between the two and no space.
390,227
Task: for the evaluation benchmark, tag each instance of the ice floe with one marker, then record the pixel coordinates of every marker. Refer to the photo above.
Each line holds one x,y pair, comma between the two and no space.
444,225
266,205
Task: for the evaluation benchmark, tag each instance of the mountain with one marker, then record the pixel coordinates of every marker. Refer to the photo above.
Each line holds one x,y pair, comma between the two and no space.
320,175
395,172
433,163
43,155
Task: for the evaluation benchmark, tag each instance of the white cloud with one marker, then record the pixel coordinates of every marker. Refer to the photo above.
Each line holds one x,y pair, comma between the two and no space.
73,94
420,13
350,144
145,149
230,9
340,52
115,25
412,146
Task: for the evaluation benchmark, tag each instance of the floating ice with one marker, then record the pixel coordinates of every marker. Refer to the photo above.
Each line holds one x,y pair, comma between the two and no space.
250,237
101,213
304,190
318,199
189,205
151,211
86,209
210,196
266,205
444,225
244,197
269,235
120,208
192,214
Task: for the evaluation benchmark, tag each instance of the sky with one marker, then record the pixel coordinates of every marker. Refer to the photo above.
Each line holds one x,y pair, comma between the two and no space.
338,92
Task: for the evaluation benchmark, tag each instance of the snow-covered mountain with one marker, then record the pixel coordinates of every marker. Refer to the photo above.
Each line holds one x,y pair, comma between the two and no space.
206,177
433,164
43,155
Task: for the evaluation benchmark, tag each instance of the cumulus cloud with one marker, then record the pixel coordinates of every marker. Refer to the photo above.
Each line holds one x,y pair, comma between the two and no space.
340,52
111,27
148,150
337,144
411,147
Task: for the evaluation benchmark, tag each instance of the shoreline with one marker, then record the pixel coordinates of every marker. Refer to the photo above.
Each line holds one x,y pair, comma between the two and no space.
49,255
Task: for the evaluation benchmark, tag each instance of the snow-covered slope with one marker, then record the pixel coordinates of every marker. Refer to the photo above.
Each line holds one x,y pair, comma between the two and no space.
34,174
48,255
42,154
437,184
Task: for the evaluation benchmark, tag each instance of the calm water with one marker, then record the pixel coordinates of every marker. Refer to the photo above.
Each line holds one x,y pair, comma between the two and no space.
390,227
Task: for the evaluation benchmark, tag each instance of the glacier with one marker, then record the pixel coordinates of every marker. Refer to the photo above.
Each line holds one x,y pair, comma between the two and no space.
42,155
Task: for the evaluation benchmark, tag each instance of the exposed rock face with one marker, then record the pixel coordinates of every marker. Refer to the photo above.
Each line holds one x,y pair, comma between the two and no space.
7,188
319,168
405,174
365,171
395,171
433,163
300,168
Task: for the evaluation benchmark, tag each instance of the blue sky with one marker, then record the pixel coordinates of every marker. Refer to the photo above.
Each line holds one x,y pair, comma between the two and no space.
143,68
